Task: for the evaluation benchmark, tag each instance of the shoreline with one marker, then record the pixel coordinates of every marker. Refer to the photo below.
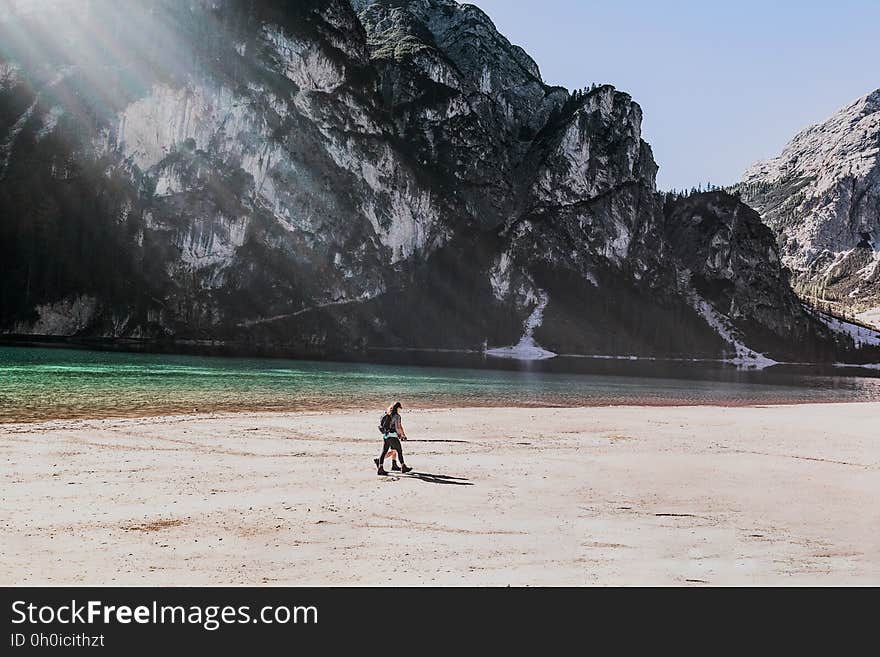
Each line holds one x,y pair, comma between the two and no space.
491,358
321,408
629,495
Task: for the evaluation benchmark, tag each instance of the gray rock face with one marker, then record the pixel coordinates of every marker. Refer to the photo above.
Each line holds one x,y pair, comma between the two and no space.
724,249
467,102
822,197
333,175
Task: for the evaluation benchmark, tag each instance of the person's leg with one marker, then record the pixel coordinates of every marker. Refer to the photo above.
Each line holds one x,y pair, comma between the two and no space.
404,468
385,447
392,454
395,445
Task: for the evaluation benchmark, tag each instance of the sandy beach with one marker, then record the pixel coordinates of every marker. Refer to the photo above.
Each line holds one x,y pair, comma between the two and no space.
784,495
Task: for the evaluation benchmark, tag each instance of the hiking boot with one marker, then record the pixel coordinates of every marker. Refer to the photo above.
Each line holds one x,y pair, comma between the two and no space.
395,467
406,469
381,472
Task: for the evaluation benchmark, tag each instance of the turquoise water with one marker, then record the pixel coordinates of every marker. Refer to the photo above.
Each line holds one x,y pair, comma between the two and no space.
38,383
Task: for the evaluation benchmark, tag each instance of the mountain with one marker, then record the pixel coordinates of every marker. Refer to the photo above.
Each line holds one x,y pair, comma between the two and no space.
325,177
822,198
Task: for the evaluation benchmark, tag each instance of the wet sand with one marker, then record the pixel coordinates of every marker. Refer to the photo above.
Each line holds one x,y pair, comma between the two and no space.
584,496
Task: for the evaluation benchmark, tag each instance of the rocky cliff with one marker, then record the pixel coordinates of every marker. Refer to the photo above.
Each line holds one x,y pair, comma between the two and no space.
822,198
326,176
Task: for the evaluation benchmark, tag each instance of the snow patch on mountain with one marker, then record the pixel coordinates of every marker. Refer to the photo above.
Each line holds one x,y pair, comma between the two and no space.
871,317
861,336
745,358
527,348
865,366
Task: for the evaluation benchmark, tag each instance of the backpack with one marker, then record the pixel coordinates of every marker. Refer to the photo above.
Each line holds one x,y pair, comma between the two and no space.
385,424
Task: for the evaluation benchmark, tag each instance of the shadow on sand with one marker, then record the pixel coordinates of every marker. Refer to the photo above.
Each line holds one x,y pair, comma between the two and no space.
438,479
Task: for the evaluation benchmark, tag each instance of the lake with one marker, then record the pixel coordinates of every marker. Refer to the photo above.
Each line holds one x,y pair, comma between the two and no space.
47,383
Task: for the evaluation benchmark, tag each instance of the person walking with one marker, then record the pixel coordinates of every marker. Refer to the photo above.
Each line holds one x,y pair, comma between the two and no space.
391,427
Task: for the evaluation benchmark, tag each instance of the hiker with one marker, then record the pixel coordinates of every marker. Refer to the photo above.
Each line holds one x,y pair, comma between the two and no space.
392,453
392,431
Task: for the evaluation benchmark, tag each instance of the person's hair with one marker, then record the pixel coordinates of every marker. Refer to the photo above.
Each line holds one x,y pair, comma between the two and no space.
395,406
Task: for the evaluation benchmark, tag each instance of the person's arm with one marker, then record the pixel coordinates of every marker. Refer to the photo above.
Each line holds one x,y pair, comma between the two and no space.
400,431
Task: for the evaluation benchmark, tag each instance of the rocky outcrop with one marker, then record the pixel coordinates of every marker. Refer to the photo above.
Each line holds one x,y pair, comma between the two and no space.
328,176
723,249
822,198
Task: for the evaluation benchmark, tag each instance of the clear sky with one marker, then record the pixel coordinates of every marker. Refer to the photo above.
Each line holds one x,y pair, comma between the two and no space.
722,84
